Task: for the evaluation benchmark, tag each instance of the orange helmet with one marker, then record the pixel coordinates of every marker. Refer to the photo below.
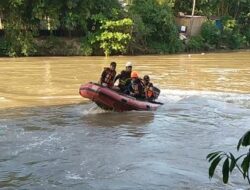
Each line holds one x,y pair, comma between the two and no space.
134,74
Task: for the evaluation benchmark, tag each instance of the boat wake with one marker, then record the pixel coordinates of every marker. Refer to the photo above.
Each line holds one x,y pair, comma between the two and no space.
173,96
222,102
91,109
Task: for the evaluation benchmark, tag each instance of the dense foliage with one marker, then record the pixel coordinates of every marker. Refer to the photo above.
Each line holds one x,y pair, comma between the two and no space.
155,29
114,36
97,27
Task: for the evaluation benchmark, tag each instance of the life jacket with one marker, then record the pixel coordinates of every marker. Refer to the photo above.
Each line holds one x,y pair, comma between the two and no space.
108,76
157,92
137,88
149,92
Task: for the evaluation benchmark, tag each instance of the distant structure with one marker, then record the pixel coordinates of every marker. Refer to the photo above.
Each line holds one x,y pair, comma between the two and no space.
125,3
1,25
190,25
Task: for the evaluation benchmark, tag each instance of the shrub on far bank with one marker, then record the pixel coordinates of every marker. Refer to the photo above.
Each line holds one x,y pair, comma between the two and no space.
3,47
229,37
86,48
155,30
195,44
233,39
57,46
210,34
19,43
247,36
165,48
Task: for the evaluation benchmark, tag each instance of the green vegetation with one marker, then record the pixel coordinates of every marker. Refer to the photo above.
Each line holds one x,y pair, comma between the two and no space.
195,44
230,161
155,29
114,35
105,27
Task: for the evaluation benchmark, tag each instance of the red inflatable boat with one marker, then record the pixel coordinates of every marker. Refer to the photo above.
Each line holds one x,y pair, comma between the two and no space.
111,100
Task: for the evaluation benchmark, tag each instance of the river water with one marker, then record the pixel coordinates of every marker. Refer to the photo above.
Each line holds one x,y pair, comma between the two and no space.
51,138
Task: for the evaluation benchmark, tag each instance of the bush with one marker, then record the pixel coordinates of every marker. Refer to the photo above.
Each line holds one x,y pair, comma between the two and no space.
247,35
86,47
154,26
210,34
50,46
158,48
228,37
195,44
19,43
233,39
3,47
163,48
231,36
58,46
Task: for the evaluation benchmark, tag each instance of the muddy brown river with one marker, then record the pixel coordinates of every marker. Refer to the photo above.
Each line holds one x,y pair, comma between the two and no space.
52,138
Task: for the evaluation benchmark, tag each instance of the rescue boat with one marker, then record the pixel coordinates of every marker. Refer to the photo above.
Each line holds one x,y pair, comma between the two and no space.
109,99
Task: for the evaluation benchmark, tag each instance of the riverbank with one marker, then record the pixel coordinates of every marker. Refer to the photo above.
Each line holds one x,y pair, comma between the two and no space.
63,46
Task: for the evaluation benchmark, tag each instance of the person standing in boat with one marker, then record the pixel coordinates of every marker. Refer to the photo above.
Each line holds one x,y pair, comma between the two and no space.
108,75
148,89
125,78
136,87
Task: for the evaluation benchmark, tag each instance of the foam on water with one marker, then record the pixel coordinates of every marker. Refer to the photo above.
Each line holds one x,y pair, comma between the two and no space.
89,109
172,96
219,101
37,142
3,127
73,176
3,99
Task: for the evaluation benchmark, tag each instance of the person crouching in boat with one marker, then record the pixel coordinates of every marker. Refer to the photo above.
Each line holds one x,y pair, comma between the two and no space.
108,75
148,89
125,78
136,87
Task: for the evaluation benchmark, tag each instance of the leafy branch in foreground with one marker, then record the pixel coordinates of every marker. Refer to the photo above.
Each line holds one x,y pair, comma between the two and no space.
230,161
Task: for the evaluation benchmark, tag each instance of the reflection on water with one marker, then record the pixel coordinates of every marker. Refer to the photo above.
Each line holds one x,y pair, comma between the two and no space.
115,119
51,138
131,123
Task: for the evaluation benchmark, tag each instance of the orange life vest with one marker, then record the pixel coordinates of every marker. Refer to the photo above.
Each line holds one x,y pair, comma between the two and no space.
108,76
148,89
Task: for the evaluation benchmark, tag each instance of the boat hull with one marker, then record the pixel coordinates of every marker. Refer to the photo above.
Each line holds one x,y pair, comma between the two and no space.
109,99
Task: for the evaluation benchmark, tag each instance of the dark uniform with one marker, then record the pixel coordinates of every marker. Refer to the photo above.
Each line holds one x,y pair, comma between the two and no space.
124,81
136,89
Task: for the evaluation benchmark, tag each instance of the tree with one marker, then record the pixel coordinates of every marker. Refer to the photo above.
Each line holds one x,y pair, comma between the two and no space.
155,30
115,36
